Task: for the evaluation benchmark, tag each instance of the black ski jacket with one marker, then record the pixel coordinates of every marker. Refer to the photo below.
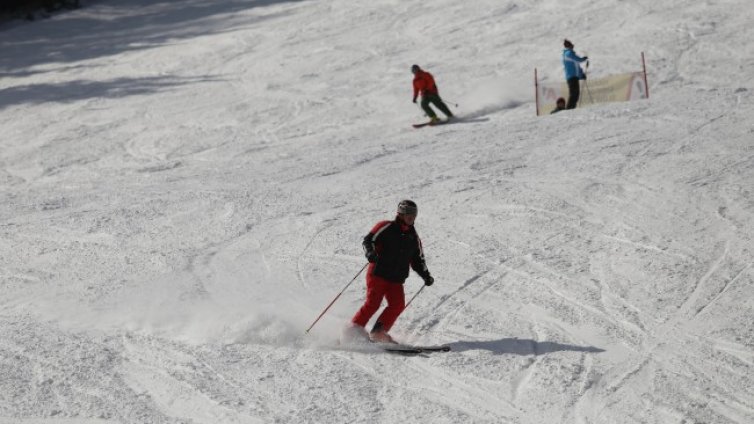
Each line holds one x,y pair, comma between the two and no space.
397,246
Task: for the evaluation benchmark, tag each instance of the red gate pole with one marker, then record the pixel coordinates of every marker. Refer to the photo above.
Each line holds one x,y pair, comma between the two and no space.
536,90
644,67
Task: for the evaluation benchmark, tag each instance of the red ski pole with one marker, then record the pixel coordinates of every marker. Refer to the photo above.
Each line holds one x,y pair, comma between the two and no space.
336,297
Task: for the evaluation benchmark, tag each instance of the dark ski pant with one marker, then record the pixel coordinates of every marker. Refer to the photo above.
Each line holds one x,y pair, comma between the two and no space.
379,288
437,101
574,90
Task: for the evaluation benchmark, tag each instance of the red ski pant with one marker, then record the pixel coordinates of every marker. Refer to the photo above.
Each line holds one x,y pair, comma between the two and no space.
377,289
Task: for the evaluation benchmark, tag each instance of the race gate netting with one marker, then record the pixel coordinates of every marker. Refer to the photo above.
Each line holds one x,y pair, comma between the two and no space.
613,88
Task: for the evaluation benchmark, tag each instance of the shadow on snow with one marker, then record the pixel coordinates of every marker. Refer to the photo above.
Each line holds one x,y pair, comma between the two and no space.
520,347
84,89
126,26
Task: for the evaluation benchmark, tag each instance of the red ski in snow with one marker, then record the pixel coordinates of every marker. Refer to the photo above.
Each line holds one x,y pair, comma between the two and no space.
431,124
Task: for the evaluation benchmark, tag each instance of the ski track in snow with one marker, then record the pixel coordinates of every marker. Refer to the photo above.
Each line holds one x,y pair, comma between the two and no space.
185,187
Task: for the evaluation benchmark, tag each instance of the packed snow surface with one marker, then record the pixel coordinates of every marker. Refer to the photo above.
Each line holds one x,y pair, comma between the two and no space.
184,187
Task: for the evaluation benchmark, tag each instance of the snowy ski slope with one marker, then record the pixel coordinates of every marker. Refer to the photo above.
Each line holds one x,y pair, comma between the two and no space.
185,185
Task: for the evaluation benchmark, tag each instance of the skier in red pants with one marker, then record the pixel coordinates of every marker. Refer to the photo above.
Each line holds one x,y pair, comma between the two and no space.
391,247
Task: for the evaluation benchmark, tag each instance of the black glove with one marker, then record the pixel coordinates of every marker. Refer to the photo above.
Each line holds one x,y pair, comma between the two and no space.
371,256
586,57
429,280
414,99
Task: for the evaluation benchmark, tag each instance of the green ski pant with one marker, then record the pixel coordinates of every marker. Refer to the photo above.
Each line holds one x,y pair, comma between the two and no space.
437,101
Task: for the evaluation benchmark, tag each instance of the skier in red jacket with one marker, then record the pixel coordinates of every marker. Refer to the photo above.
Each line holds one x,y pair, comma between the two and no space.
424,84
391,247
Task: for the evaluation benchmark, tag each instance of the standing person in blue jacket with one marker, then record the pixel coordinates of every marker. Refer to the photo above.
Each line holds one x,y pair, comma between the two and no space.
573,73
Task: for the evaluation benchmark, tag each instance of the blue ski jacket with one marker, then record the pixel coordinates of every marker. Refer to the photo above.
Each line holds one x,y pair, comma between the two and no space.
571,64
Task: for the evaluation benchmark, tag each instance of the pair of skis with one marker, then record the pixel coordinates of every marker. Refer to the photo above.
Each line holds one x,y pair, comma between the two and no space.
400,348
410,349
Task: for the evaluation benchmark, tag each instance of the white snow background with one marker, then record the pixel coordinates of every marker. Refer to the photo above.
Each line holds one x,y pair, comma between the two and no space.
185,186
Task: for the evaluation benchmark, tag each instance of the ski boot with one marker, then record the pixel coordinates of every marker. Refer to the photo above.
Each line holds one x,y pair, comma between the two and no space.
354,334
379,335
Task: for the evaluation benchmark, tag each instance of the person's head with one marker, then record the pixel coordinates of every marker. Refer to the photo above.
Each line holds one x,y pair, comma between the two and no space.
567,44
407,211
415,69
560,103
